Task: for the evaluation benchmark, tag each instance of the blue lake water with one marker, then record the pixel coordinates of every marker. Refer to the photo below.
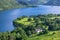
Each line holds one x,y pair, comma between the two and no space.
7,17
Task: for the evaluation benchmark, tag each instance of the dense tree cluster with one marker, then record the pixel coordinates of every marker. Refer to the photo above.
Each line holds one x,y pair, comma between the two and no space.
23,31
45,22
17,34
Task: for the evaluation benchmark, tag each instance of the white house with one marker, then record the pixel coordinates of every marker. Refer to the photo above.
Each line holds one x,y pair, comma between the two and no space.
38,30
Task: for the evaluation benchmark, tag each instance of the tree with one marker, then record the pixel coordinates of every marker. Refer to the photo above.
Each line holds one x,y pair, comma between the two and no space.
22,33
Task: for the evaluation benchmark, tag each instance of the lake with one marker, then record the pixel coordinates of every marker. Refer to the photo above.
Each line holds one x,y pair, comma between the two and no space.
7,17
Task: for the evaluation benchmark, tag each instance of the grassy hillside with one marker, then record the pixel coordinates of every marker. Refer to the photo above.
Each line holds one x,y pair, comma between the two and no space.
9,4
48,36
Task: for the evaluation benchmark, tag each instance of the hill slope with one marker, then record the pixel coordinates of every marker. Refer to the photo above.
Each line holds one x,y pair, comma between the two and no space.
9,4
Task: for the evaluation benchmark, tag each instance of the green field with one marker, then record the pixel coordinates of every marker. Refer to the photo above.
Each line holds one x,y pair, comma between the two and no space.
24,21
49,36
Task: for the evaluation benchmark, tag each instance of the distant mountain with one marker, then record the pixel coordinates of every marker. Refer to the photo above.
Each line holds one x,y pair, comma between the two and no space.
53,2
32,2
9,4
